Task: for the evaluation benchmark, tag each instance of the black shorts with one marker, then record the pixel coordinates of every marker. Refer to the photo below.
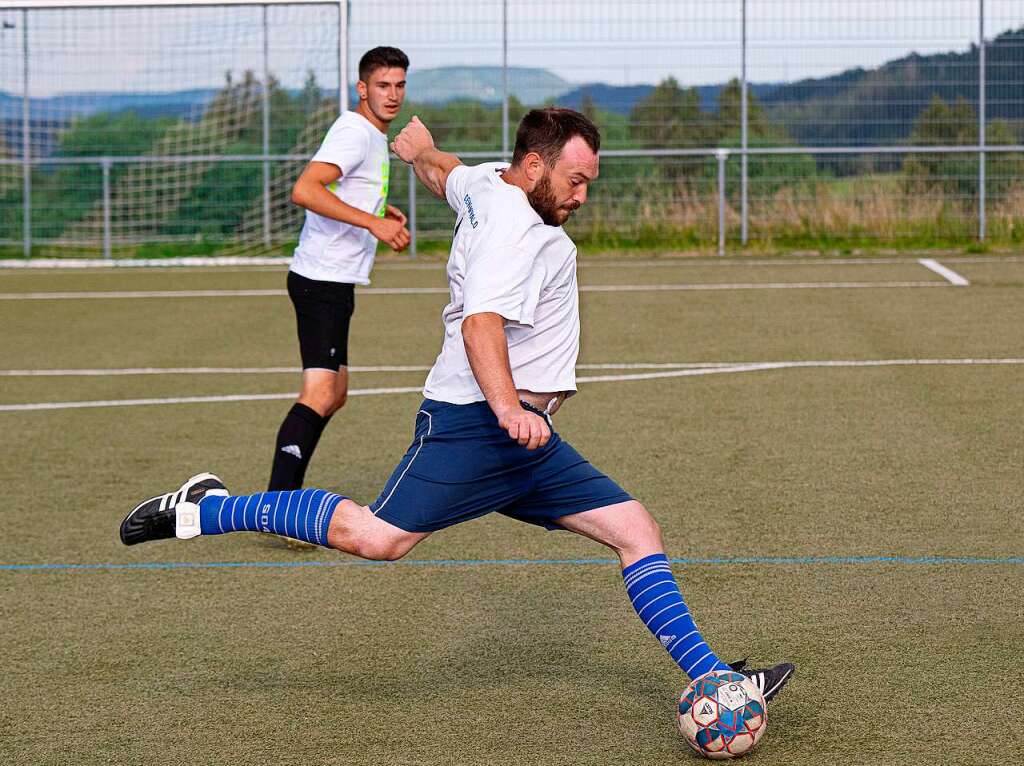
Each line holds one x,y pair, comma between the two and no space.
323,311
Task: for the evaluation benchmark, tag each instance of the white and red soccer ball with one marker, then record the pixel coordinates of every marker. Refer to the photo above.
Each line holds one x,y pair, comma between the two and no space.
722,714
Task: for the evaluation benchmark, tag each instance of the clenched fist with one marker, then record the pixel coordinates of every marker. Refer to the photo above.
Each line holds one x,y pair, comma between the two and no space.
413,140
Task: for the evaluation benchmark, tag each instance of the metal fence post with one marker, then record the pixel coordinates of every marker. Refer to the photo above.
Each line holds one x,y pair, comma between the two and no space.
981,120
504,79
722,155
266,131
343,56
26,145
412,212
744,120
107,252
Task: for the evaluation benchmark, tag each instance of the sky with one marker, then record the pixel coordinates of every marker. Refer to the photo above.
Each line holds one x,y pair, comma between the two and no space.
614,41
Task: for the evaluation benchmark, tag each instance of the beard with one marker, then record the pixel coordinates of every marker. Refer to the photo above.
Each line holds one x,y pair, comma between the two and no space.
543,200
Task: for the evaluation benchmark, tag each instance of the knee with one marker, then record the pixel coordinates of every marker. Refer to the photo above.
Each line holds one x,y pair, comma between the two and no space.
337,402
323,399
381,550
333,400
644,531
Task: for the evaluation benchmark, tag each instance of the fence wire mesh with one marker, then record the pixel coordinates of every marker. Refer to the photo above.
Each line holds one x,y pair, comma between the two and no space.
180,130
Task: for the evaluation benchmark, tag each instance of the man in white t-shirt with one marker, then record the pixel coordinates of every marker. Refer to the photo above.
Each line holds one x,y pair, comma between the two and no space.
344,190
484,440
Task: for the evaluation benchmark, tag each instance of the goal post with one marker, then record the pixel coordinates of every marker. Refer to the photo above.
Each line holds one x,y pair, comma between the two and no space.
162,122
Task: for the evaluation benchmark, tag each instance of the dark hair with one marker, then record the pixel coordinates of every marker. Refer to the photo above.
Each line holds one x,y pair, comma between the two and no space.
546,131
381,57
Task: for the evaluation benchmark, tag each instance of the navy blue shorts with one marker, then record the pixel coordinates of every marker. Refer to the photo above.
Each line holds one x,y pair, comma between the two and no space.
462,464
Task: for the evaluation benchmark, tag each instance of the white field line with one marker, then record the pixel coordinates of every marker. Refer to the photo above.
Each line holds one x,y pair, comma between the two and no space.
757,366
944,272
115,294
267,293
679,373
753,286
243,263
100,372
191,399
114,371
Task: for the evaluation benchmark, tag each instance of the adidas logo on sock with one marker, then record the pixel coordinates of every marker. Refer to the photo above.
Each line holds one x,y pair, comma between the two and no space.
293,449
666,640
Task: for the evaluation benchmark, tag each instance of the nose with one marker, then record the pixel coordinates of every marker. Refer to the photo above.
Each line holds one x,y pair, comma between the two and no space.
581,194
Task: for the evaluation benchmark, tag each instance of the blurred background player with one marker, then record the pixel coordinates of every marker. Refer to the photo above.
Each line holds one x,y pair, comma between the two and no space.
344,190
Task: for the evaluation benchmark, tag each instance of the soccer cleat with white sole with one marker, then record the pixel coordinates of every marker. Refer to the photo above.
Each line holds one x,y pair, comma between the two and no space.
174,514
769,680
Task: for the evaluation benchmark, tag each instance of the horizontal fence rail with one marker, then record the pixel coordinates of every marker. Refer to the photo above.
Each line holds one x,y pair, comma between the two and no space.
718,188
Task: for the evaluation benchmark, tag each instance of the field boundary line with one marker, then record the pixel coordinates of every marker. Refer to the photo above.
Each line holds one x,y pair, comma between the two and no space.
820,364
945,272
118,371
262,263
191,399
479,563
675,373
276,293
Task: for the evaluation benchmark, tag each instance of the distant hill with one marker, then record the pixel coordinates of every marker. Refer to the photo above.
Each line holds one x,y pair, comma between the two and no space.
435,86
173,104
862,106
529,85
857,106
622,98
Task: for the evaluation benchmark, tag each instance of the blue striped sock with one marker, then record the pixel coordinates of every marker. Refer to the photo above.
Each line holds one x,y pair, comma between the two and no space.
303,514
656,598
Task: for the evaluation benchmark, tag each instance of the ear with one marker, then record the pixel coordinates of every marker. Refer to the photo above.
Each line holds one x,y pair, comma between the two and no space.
533,166
361,90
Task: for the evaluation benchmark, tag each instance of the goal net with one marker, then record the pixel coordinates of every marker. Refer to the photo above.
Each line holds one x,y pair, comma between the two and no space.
147,124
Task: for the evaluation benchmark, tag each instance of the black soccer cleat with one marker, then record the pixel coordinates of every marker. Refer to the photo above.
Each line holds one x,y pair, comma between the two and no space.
769,680
175,514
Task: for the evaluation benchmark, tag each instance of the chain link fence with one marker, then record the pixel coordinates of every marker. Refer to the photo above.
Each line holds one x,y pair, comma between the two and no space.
152,130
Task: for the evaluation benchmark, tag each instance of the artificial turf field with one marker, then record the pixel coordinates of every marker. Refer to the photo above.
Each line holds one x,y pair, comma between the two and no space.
864,522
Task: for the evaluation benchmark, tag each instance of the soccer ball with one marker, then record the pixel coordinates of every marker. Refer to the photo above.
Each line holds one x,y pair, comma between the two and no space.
722,714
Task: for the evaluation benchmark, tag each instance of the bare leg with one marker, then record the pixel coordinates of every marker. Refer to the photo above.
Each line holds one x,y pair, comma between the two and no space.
354,529
324,391
626,528
630,531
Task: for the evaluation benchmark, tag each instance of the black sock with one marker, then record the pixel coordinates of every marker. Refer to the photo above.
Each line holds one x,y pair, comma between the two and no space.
296,440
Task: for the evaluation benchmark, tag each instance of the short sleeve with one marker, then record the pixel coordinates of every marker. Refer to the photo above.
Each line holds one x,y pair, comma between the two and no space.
506,281
455,187
345,146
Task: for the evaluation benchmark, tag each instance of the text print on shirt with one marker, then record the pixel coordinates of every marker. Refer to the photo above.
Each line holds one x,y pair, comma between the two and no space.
469,209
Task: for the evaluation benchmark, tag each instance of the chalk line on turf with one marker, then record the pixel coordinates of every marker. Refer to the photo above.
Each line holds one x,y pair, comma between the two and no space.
441,563
114,371
226,264
673,373
945,272
273,293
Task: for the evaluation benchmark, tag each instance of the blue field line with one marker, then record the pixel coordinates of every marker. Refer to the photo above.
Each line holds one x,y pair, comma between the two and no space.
741,560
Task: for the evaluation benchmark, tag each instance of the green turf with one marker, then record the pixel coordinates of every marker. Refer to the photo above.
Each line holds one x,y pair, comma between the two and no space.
546,663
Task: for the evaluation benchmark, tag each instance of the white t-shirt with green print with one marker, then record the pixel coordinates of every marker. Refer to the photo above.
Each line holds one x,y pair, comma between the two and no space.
332,251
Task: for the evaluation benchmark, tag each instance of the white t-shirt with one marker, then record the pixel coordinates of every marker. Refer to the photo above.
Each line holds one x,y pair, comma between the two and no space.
505,260
330,250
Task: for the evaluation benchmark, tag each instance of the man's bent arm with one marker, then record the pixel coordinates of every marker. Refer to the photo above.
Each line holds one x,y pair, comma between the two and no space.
487,350
310,192
415,145
432,168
